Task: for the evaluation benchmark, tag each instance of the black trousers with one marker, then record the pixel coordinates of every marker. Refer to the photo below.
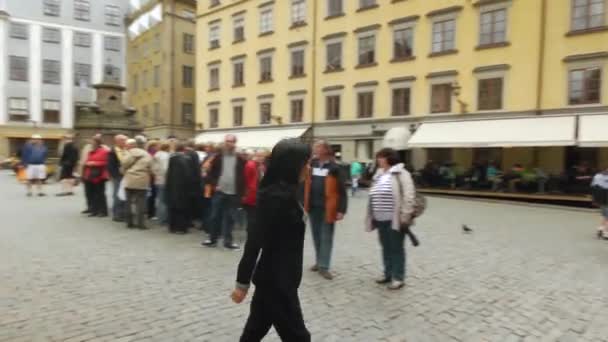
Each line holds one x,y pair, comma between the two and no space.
151,201
88,194
278,309
99,204
136,207
179,219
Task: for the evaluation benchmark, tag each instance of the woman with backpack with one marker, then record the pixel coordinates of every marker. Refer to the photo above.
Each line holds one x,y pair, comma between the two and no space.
391,207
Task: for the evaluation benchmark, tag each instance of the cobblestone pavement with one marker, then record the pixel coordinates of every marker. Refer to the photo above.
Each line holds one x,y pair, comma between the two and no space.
526,274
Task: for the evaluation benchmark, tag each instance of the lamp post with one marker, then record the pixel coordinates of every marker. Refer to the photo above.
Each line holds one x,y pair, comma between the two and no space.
456,88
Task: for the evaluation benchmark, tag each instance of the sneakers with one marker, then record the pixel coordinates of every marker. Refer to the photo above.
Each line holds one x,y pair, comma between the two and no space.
383,281
209,243
232,246
314,268
396,285
42,194
326,274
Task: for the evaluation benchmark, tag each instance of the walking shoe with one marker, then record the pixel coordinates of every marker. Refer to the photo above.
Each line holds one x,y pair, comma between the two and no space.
232,246
383,280
42,194
92,214
209,243
86,211
102,215
314,268
326,274
396,285
118,219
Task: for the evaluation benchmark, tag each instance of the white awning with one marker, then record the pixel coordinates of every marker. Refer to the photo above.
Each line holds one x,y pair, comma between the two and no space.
397,138
255,138
593,130
517,132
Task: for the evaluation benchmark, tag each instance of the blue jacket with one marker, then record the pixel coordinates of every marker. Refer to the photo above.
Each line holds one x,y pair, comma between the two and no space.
33,154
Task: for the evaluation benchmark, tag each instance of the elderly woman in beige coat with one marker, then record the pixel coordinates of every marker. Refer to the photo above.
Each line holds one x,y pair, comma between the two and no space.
391,211
136,168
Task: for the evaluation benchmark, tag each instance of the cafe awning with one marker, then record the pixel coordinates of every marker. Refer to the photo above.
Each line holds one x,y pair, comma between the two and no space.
593,130
516,132
254,138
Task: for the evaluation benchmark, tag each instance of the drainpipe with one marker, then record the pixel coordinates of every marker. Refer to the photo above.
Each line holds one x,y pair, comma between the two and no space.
313,95
541,57
172,69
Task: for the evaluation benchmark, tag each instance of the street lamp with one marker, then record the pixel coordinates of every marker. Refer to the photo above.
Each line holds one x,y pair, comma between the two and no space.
456,88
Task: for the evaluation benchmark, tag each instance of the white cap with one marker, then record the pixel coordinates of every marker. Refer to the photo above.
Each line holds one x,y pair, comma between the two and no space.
36,136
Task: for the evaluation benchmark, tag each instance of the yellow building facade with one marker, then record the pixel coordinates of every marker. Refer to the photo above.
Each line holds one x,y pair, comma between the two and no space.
161,66
375,68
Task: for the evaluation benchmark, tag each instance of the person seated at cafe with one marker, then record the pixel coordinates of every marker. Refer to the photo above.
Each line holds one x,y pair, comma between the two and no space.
494,176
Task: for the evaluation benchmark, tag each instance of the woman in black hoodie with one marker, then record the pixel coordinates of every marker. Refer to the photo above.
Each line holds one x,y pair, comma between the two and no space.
279,233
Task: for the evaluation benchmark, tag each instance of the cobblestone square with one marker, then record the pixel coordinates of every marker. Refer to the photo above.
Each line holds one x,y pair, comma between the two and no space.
526,274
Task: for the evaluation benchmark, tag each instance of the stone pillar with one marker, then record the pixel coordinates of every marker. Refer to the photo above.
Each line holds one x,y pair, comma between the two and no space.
67,79
35,73
3,70
98,62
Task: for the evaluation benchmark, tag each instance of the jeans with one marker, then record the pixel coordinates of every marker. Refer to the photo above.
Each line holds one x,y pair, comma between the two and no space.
323,237
161,206
118,206
393,250
99,205
151,195
223,217
136,206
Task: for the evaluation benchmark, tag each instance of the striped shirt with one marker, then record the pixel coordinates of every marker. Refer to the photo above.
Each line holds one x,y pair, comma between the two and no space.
382,200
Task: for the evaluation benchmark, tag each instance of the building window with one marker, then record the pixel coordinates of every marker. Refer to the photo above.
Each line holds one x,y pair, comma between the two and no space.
365,104
443,35
82,39
188,43
214,37
237,116
298,12
135,84
441,98
144,80
297,110
214,118
51,35
213,3
52,8
19,31
493,27
238,74
214,78
403,44
114,74
367,3
18,109
334,56
401,101
584,86
50,111
112,15
265,113
51,71
82,75
334,8
156,110
156,76
266,69
587,14
188,14
157,42
187,76
266,20
18,68
146,113
297,63
490,94
239,29
332,107
111,43
367,50
82,10
187,114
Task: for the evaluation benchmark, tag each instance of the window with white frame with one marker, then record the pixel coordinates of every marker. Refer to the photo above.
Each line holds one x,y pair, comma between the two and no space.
51,111
238,73
335,8
298,12
111,43
493,26
214,77
18,109
18,68
51,35
403,42
297,62
19,31
584,85
82,39
188,43
297,109
266,20
444,33
333,56
367,49
266,68
588,14
214,117
52,8
82,10
237,115
82,75
238,24
112,15
51,71
265,113
214,36
187,76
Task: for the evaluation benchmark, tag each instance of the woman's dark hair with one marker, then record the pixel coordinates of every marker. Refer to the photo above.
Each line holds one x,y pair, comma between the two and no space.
285,163
391,156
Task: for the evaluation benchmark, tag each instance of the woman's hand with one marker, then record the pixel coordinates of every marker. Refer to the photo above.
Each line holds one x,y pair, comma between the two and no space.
238,295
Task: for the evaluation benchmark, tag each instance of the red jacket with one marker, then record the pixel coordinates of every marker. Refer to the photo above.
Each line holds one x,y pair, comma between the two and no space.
97,163
252,178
